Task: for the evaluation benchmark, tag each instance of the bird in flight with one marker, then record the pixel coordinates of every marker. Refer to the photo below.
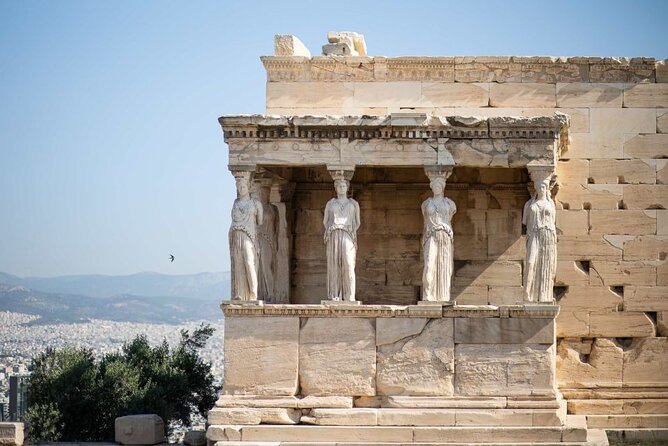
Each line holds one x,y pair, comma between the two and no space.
171,257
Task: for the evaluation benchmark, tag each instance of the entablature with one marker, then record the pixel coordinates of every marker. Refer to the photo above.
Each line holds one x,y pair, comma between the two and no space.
400,139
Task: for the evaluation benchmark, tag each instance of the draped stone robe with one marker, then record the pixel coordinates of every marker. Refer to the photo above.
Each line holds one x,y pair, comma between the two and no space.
438,248
246,215
267,239
341,222
541,257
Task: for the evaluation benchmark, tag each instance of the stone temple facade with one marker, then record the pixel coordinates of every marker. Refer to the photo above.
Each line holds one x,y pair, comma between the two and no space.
447,250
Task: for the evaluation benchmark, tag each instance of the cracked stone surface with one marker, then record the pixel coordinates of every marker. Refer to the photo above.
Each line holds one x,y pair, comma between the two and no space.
504,369
337,357
415,357
601,367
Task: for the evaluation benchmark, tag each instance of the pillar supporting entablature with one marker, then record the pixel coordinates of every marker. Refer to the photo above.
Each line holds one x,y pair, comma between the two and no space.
439,170
341,172
540,172
243,170
402,139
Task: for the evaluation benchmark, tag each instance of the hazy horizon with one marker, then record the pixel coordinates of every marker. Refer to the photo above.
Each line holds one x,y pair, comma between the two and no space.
111,154
112,275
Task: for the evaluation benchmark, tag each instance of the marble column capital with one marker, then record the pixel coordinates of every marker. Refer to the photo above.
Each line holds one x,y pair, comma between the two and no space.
341,172
438,171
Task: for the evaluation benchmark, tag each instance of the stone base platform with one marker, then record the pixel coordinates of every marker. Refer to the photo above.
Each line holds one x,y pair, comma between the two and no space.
619,409
396,420
381,374
388,417
403,435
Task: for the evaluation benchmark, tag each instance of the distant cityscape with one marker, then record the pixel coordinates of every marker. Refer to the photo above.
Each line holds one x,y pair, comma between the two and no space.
21,339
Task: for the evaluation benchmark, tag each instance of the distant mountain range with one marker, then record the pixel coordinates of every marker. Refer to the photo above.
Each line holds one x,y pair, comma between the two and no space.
189,286
144,297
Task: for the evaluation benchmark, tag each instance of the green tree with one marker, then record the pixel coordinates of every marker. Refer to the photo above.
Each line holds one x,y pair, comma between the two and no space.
73,397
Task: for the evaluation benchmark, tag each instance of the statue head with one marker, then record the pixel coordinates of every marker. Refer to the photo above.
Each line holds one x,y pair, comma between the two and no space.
261,189
341,187
243,186
437,185
542,183
438,175
542,189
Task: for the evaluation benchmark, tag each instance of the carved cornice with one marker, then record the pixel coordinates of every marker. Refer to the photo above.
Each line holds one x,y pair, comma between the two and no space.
396,126
541,69
400,139
373,311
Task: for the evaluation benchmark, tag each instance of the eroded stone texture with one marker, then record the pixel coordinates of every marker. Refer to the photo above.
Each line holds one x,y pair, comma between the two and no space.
646,362
504,331
421,362
412,417
11,434
223,433
510,369
250,416
662,323
287,45
139,429
389,331
337,357
261,355
342,417
602,366
343,402
194,438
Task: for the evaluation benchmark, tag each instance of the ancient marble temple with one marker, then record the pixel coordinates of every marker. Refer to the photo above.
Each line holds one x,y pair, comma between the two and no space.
405,233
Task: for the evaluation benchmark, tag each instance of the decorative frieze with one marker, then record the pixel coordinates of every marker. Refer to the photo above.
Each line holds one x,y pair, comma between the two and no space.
400,139
230,308
500,69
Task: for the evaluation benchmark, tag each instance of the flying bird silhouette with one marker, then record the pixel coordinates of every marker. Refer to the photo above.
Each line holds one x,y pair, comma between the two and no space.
171,257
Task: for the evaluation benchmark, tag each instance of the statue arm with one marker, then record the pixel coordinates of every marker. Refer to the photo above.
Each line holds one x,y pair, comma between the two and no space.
326,218
525,213
358,222
259,214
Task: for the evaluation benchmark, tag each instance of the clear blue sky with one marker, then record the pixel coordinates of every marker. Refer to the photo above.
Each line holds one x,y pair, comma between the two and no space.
111,157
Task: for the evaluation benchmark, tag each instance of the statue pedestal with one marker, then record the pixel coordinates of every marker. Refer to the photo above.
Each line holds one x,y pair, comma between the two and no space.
450,303
341,303
238,302
383,373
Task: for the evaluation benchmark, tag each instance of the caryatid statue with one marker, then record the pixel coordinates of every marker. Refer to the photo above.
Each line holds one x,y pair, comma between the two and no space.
342,220
267,238
437,239
246,217
539,217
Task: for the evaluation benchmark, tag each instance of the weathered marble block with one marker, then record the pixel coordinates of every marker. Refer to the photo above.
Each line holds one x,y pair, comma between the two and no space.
504,369
303,356
337,356
415,356
139,429
11,434
261,355
504,331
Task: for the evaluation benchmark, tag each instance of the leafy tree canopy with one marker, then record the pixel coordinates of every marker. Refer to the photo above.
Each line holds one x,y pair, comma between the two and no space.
73,397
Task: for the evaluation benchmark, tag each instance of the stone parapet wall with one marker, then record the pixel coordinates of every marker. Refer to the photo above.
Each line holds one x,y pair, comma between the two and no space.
380,98
368,351
466,69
